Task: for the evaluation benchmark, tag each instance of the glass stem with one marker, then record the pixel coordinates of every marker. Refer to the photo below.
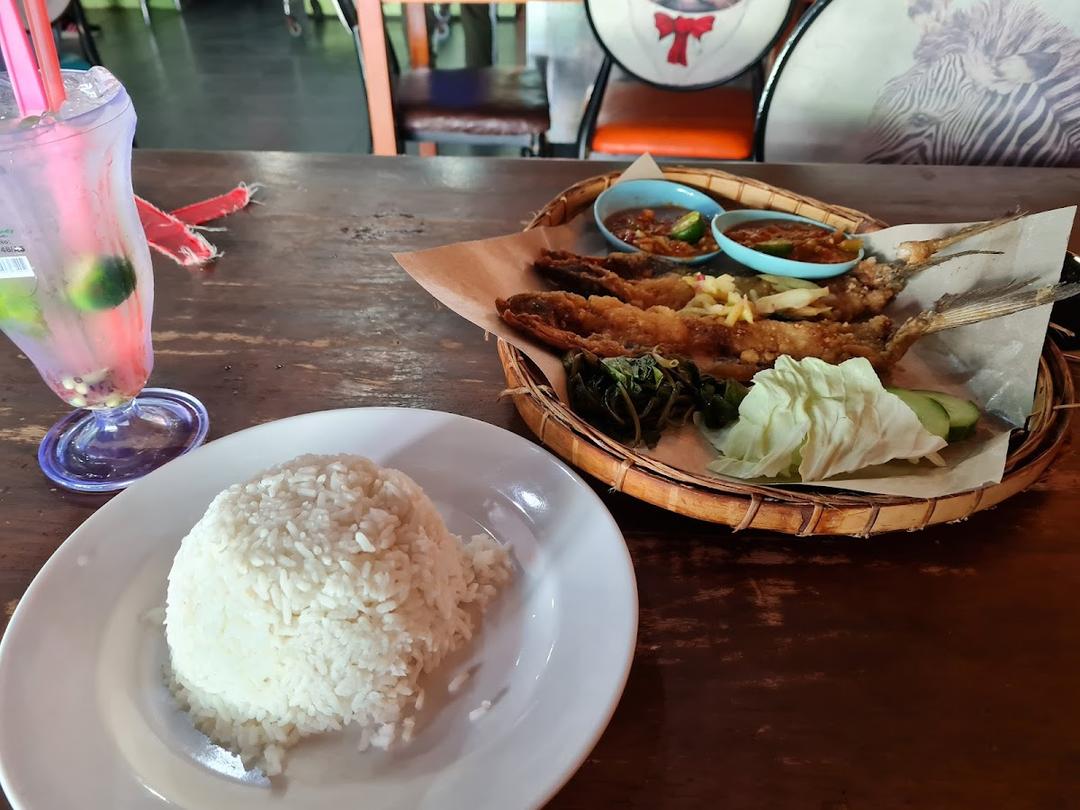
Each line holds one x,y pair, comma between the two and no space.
109,420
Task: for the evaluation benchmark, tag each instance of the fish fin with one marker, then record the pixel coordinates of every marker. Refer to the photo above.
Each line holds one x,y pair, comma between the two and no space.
916,267
635,266
903,272
918,252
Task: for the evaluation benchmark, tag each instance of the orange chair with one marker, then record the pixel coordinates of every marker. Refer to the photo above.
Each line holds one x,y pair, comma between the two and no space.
635,117
675,95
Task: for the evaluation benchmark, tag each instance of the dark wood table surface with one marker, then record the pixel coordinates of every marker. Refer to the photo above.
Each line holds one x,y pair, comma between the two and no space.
928,670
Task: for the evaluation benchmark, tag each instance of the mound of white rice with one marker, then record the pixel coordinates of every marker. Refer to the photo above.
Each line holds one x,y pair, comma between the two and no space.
314,596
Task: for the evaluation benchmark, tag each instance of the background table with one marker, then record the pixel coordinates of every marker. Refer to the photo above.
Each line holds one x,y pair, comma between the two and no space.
937,669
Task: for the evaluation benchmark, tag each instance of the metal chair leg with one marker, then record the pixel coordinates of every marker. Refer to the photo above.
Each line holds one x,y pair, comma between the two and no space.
346,13
144,6
592,108
86,39
538,146
292,24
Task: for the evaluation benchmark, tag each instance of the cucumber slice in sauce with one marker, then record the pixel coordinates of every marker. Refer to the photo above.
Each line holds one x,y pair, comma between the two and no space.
775,247
931,413
963,415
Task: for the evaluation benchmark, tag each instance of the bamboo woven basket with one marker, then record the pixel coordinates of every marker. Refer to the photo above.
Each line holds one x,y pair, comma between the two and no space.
797,511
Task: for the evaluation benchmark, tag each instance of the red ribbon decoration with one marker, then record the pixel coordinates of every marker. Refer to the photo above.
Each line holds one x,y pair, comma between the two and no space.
683,28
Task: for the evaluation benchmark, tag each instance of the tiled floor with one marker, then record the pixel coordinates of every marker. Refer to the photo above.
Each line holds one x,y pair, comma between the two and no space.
226,74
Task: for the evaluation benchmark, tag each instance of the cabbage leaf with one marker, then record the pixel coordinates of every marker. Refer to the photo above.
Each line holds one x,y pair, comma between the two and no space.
816,420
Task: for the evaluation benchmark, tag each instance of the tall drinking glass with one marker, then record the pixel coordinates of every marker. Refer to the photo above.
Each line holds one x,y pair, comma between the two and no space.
77,287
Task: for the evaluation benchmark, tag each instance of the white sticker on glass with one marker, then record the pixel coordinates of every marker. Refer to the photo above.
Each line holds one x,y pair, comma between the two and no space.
16,267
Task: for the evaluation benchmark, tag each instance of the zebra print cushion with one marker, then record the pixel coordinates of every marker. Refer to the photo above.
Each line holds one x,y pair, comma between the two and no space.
967,82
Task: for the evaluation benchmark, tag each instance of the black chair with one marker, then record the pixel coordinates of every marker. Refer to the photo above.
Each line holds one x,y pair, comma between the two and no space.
85,33
62,14
670,94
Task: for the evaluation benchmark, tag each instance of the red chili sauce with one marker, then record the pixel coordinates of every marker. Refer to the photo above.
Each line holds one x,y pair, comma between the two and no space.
799,241
650,230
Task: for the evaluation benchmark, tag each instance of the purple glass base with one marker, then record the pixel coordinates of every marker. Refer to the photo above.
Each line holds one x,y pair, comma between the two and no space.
105,451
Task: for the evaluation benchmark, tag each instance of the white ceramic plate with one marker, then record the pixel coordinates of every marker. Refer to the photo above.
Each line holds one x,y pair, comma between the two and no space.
85,718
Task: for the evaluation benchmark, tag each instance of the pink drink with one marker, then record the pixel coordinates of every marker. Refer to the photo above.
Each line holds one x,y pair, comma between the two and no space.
76,285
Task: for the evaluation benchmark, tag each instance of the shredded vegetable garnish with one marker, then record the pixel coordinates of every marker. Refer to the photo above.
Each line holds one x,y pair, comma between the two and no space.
744,299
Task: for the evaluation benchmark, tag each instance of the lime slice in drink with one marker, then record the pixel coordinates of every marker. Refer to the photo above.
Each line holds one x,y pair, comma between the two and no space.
690,227
102,282
22,310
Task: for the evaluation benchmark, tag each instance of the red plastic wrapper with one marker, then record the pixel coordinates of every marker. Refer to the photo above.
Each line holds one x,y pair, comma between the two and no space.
216,207
174,234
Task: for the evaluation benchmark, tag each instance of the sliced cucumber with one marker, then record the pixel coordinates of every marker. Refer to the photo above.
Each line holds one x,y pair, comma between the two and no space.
931,413
963,415
775,247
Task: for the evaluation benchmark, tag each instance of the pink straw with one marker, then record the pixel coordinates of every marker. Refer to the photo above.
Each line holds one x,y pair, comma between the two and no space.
29,92
37,16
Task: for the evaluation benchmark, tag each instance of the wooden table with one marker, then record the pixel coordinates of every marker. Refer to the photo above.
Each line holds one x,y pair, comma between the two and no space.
927,670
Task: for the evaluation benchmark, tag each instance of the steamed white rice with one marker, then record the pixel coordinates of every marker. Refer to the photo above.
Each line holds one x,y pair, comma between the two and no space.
315,596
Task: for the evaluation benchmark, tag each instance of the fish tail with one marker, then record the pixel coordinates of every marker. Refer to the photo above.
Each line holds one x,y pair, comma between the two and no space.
977,305
917,253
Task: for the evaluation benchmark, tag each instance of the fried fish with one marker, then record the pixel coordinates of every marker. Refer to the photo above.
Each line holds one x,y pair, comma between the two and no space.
646,281
608,327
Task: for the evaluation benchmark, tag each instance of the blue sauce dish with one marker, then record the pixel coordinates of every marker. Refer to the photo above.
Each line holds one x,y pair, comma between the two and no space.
653,194
767,263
